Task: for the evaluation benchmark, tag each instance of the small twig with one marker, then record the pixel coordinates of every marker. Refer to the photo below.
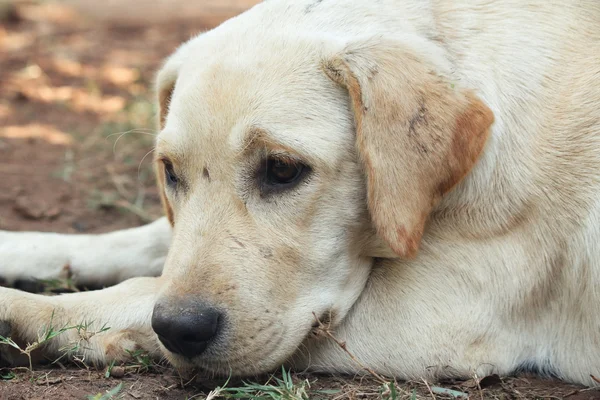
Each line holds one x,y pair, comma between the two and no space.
429,388
577,391
594,378
192,379
325,330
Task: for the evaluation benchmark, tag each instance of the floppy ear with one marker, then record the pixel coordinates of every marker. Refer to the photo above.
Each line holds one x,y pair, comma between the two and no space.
166,79
417,135
164,92
165,84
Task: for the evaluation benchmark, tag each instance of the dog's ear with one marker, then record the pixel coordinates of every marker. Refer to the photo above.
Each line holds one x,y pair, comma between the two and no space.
417,134
166,79
164,100
165,85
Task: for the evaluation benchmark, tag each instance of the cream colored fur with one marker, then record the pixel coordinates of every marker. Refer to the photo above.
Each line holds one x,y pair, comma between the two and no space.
425,272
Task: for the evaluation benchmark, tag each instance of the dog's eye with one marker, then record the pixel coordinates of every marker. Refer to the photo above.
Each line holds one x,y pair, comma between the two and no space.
170,177
280,174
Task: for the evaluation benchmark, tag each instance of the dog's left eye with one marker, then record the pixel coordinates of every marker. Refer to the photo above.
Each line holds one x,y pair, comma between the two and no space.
170,176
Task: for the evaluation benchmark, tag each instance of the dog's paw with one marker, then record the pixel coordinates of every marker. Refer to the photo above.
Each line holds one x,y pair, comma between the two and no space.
5,329
6,359
10,356
21,316
27,258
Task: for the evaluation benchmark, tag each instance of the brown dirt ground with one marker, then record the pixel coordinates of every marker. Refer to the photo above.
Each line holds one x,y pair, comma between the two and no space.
69,87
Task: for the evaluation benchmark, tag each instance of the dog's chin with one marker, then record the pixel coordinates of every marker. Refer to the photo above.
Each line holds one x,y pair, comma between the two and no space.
261,360
181,364
222,368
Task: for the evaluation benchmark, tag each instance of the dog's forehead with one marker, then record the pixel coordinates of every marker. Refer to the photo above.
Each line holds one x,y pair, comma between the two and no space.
282,92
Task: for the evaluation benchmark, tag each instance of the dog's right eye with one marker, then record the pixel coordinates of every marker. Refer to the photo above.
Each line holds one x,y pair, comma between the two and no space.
170,177
277,174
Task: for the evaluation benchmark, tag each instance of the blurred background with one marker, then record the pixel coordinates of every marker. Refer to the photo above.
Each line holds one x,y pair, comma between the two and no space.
77,117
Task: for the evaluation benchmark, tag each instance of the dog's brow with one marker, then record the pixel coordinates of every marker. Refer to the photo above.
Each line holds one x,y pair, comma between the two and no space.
250,137
259,137
166,155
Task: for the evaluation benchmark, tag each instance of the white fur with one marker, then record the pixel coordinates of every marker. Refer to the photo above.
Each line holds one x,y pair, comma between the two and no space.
509,266
97,260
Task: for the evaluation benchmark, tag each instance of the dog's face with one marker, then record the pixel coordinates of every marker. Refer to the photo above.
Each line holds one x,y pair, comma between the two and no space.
281,167
267,203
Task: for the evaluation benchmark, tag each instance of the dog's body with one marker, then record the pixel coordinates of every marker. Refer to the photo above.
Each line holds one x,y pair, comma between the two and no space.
507,275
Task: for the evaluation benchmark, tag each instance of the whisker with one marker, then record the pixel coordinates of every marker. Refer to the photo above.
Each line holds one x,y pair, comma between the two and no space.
143,158
117,141
143,131
117,133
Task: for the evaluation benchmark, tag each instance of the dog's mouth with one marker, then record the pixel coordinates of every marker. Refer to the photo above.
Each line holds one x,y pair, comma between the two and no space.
256,354
246,357
246,365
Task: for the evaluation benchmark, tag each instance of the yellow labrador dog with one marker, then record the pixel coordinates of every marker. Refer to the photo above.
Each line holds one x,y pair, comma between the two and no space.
423,176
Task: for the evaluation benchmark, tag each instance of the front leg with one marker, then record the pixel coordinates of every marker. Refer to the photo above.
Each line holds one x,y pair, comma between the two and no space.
89,260
97,327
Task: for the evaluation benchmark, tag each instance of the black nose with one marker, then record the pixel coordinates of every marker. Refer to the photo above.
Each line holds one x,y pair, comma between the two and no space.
185,328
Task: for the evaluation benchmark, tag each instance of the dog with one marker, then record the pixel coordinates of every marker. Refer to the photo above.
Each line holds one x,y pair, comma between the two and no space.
422,178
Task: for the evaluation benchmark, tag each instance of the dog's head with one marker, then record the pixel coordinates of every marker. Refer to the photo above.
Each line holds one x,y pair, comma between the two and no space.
287,165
